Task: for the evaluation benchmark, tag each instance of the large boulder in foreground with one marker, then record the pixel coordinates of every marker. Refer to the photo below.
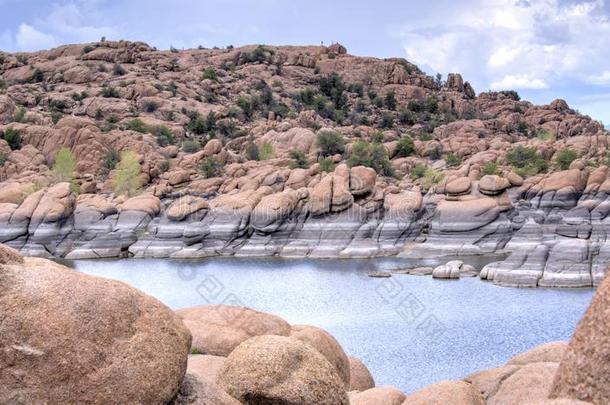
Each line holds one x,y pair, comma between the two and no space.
281,370
584,372
327,345
218,329
378,396
66,337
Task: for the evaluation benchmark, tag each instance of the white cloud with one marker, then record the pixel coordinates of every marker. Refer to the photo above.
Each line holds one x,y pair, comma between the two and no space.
535,44
518,82
29,38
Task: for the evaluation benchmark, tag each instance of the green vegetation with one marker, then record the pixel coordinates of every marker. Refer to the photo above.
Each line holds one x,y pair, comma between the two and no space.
137,125
110,161
453,160
330,142
299,159
545,135
110,92
390,100
429,175
266,151
406,147
128,175
252,152
489,168
64,168
164,166
526,161
12,136
209,167
565,157
332,86
118,70
201,125
418,171
150,106
3,159
163,134
210,74
191,146
327,165
371,155
19,115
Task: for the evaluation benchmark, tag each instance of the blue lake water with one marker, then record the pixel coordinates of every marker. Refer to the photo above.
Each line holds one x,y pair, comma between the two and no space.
409,330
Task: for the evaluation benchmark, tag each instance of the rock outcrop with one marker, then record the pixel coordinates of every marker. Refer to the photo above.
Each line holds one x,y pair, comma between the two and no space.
101,341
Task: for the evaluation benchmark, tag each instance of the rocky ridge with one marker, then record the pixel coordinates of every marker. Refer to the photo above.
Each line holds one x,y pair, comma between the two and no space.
414,166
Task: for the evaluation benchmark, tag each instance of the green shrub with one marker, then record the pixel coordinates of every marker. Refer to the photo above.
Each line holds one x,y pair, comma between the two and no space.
13,137
330,142
545,135
406,147
37,76
489,168
210,73
453,160
137,125
110,161
128,175
415,106
19,116
266,151
246,106
191,146
163,134
327,165
406,117
371,155
418,171
432,177
387,120
118,70
164,166
110,92
56,116
64,168
252,152
299,159
390,100
209,167
3,159
432,104
565,157
332,86
200,125
150,106
526,161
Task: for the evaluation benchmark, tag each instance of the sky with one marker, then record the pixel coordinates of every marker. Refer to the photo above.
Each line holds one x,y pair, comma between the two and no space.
544,49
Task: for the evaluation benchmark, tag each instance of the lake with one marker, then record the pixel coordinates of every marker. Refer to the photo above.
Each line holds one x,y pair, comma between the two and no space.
409,330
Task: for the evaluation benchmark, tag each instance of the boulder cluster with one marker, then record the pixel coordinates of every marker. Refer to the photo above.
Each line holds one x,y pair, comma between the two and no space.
67,337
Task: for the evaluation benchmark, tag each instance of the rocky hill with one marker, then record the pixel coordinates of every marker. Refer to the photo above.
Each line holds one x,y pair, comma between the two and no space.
293,151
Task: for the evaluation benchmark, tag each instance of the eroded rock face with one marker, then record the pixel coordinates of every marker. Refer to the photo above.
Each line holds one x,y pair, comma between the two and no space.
584,371
277,369
117,344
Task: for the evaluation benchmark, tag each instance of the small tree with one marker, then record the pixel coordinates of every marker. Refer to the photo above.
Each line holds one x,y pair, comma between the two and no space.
209,167
406,147
13,137
299,159
327,165
64,168
390,100
266,151
128,175
565,157
330,142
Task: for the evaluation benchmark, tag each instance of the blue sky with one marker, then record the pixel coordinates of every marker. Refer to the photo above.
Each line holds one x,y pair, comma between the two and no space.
545,49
